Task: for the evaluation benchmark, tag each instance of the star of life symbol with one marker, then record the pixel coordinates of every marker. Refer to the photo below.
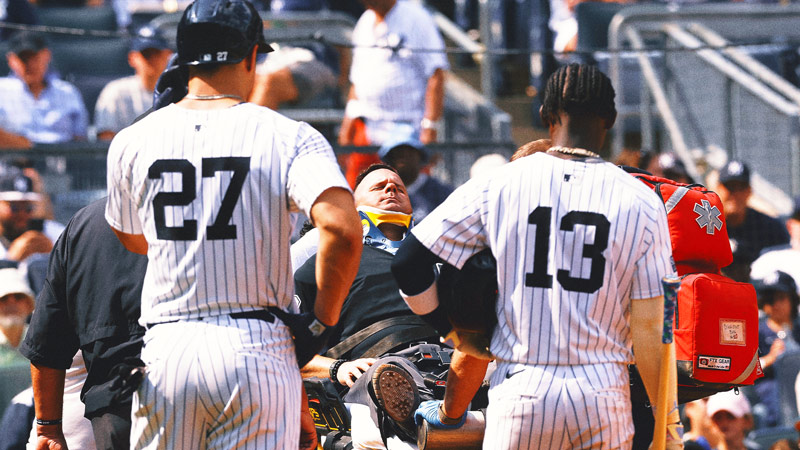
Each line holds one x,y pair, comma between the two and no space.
708,216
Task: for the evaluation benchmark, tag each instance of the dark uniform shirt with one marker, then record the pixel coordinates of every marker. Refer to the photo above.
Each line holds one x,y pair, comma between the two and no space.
373,296
90,300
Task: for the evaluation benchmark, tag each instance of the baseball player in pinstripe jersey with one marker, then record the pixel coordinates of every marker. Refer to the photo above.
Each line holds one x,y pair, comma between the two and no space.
581,248
204,187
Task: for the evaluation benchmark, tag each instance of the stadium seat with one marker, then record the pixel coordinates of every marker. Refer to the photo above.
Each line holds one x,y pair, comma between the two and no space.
99,18
787,367
593,21
765,437
91,55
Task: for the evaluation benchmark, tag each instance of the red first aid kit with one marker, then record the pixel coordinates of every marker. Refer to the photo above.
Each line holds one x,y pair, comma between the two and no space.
716,318
696,225
716,330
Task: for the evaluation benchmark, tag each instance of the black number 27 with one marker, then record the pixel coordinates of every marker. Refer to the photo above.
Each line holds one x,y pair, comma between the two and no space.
220,229
540,278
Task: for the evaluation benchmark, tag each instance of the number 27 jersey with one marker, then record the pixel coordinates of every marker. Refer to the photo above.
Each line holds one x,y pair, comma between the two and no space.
575,241
211,191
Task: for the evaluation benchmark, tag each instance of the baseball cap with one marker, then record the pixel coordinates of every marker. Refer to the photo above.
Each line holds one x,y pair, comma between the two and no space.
776,281
148,37
734,171
14,186
730,401
671,166
402,136
26,41
12,281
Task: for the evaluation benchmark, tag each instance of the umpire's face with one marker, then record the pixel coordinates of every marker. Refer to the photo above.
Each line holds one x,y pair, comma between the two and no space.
383,189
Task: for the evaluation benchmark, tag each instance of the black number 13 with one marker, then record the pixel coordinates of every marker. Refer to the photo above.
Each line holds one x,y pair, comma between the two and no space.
540,278
220,229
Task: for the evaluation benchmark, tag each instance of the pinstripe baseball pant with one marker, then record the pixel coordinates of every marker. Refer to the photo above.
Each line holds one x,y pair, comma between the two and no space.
559,407
218,383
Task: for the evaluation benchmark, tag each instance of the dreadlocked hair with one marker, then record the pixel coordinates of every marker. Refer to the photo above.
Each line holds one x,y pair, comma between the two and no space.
578,90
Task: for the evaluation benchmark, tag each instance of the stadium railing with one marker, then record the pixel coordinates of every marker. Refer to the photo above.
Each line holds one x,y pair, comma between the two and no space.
710,88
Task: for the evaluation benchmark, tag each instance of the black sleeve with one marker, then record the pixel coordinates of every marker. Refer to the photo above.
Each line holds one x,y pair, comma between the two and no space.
412,266
305,284
51,340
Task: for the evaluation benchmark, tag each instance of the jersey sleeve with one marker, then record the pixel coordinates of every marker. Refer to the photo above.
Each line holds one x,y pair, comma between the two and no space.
312,170
455,230
50,340
655,261
121,210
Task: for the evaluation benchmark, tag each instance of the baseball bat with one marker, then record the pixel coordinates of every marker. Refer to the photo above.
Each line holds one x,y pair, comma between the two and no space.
667,374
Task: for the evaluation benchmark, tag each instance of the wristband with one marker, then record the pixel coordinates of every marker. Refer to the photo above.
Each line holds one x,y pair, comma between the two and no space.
333,370
447,420
48,422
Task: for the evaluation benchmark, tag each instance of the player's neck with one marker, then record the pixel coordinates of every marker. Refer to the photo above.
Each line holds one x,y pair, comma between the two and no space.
586,133
219,90
392,232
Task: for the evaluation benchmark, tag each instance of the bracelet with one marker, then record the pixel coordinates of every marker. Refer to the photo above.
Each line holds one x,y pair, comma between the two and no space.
428,124
48,422
333,371
447,420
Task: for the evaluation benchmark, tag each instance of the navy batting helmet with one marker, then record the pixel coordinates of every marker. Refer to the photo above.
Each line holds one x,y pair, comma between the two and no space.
219,32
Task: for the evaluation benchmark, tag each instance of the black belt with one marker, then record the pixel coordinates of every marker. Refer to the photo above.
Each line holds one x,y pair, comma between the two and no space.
259,314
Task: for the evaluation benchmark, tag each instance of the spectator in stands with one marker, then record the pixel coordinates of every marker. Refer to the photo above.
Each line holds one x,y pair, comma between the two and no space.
778,331
730,412
35,105
700,432
16,304
564,24
20,235
750,231
397,77
125,99
300,74
668,165
539,145
785,257
408,155
486,163
16,11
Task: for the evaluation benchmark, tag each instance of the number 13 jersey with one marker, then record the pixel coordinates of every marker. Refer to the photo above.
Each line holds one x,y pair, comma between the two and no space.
575,241
211,192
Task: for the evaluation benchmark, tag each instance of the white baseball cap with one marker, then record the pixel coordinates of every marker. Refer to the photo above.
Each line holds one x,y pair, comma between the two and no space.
13,282
734,403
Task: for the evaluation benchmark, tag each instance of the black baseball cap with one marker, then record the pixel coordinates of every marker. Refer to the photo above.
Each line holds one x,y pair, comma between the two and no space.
14,187
26,41
148,36
734,171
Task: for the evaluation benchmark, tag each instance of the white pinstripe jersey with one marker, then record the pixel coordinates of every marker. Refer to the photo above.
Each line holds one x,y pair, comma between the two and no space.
211,192
574,241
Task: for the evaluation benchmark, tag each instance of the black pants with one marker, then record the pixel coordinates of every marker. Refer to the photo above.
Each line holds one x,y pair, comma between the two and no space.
112,427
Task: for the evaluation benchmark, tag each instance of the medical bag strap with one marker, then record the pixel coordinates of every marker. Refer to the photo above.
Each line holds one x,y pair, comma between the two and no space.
351,342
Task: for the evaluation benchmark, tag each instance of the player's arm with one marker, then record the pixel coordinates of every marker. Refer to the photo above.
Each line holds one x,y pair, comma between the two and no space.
434,104
463,380
413,269
334,214
48,398
135,243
